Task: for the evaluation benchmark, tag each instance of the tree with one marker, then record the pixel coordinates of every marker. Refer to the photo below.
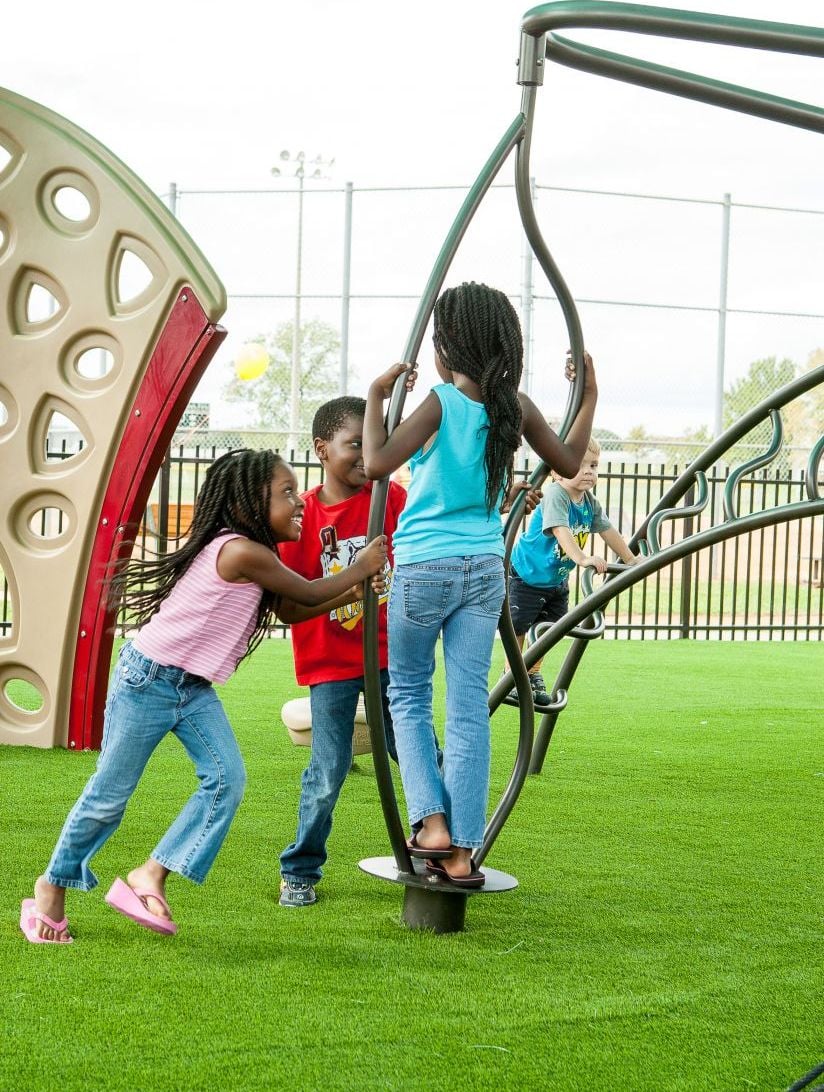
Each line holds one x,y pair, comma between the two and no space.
639,441
609,441
695,441
763,378
270,393
806,414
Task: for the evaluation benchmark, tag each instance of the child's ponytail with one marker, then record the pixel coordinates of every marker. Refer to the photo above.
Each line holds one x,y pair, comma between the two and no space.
477,333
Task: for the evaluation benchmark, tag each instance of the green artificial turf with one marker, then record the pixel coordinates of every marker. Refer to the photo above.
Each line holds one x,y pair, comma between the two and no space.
666,933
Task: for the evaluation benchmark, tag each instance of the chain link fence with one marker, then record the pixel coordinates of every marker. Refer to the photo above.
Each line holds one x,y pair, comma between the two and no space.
679,297
764,585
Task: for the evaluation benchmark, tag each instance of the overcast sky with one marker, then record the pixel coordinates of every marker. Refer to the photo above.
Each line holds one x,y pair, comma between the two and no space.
207,94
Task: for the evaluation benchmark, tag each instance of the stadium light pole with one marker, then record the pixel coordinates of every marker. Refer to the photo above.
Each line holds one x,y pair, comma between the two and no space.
315,169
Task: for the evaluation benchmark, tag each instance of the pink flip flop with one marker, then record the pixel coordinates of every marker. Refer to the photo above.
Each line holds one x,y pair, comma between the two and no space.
30,915
129,902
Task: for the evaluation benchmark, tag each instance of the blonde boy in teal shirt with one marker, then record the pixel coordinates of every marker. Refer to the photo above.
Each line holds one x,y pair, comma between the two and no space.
550,548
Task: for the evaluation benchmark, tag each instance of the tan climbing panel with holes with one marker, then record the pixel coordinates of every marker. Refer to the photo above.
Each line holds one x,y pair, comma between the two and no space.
91,264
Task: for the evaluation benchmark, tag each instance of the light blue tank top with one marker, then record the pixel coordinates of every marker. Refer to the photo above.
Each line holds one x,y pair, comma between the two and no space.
445,513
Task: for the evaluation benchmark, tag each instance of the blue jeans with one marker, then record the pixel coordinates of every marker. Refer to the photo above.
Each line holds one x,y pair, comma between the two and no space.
145,702
333,707
460,598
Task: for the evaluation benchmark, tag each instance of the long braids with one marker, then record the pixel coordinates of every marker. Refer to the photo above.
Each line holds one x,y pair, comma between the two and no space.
477,333
235,496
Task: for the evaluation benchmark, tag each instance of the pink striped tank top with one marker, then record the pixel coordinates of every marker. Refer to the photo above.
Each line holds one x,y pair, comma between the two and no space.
204,624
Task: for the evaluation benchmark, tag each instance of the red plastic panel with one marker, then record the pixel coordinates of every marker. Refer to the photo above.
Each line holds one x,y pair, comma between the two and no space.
186,344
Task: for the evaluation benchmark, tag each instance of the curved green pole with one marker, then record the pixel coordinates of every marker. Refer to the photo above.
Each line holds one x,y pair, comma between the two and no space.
640,571
650,564
813,464
517,671
693,26
713,452
674,81
693,475
380,490
677,24
764,459
523,191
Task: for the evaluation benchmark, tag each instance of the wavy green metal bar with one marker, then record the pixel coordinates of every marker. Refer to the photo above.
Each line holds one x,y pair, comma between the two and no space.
380,490
813,467
678,513
660,22
714,451
691,477
538,22
675,23
764,459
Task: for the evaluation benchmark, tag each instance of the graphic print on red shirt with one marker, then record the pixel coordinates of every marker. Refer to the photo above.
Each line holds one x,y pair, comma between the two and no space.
335,556
330,647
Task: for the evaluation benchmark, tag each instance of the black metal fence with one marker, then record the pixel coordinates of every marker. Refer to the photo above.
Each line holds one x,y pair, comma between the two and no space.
764,585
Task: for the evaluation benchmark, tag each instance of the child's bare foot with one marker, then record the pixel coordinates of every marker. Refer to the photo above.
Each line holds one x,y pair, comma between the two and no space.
147,878
433,835
51,901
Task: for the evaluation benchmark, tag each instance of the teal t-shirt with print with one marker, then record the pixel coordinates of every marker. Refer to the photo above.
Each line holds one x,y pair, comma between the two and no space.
537,556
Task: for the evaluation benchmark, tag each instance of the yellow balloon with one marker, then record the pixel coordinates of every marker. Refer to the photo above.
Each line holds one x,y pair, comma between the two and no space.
251,361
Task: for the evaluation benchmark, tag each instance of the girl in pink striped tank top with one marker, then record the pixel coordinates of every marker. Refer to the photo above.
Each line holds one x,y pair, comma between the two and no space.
200,610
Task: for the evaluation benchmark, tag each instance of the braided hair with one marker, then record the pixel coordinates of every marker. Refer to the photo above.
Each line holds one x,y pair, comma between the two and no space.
235,496
477,333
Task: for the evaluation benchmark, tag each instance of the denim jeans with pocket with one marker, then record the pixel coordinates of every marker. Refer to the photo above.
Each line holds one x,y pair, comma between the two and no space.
147,701
460,599
333,707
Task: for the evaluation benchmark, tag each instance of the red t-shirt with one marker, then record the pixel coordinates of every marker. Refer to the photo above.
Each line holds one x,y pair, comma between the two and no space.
330,647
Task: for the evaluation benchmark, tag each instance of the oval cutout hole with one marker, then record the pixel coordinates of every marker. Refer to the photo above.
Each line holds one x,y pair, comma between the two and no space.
133,276
5,157
4,414
23,695
94,363
47,523
40,304
72,204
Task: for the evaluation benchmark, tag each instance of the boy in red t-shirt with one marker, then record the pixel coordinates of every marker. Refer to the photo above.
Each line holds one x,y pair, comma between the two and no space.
327,642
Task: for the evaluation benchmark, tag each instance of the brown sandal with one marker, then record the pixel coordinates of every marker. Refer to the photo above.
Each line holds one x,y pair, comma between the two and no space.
422,852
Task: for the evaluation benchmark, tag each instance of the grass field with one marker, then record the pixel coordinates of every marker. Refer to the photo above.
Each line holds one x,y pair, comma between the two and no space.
666,933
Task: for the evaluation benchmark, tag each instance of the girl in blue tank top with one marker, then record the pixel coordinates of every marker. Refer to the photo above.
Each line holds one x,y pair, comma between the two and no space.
449,550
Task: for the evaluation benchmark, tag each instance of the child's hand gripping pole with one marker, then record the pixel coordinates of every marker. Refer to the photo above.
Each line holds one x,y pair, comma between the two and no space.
371,560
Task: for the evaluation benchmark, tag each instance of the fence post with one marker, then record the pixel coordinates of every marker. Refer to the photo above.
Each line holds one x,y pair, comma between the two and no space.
718,423
163,503
686,569
527,305
343,380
